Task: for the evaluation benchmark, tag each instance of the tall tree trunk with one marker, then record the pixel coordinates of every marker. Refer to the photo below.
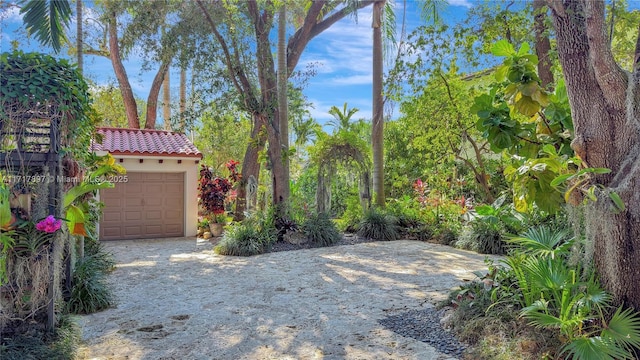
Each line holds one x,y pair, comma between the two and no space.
166,99
131,108
605,103
79,36
377,136
154,91
283,110
543,46
250,165
183,98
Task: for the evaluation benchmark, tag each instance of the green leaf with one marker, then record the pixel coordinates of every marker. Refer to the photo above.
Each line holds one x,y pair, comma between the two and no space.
560,179
624,328
524,49
503,48
501,73
526,106
617,201
81,189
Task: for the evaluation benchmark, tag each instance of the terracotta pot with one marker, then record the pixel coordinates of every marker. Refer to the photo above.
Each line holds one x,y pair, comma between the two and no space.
216,228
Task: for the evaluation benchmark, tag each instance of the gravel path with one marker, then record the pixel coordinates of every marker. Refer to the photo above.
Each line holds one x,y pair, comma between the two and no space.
178,300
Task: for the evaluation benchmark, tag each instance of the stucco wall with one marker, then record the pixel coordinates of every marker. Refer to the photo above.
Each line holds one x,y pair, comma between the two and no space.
188,166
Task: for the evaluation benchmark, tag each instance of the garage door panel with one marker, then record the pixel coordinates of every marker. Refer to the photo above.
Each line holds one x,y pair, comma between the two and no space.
151,177
175,177
153,215
148,205
157,201
112,216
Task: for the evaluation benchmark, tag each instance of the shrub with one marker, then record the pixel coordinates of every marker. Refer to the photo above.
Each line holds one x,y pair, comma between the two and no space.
320,230
564,301
90,292
445,235
377,225
352,216
253,236
62,345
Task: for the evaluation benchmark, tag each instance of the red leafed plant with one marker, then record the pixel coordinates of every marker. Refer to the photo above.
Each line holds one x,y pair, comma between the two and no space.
214,189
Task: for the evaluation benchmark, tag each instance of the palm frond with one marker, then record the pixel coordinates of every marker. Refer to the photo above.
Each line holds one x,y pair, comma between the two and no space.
543,241
593,348
47,20
624,328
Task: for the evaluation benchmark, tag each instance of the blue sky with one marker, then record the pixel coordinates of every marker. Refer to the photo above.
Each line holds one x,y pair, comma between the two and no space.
342,55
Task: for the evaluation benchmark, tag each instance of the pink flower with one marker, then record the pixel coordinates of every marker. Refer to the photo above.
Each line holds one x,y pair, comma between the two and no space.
49,224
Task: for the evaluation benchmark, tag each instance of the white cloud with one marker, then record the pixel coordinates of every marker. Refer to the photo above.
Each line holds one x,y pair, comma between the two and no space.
463,3
11,14
353,80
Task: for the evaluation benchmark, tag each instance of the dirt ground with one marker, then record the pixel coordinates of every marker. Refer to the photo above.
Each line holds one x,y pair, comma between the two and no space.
176,299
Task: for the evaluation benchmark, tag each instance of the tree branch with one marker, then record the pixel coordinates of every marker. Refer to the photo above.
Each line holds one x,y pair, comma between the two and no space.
236,73
311,28
609,75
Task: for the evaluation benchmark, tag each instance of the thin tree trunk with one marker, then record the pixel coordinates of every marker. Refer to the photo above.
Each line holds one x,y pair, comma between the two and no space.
152,100
377,136
604,105
283,111
543,46
183,98
166,99
129,100
79,36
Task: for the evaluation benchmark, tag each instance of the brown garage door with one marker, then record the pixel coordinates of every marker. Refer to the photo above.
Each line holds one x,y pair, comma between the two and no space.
148,205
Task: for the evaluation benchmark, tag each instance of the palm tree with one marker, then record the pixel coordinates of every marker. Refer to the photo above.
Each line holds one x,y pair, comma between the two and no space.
384,22
342,117
283,111
377,130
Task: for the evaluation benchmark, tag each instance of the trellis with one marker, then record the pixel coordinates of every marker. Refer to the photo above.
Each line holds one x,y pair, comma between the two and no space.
345,153
31,160
45,107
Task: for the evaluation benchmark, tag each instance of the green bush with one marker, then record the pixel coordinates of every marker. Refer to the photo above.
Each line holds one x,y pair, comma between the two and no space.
253,236
378,225
90,292
352,216
563,300
320,230
445,235
62,345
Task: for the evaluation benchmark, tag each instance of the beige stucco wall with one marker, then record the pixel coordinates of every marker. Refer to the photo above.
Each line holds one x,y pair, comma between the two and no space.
188,166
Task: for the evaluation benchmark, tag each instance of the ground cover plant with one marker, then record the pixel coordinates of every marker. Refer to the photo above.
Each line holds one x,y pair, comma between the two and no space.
537,289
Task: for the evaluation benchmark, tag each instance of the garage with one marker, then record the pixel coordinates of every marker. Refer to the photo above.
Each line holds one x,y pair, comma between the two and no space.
157,197
148,205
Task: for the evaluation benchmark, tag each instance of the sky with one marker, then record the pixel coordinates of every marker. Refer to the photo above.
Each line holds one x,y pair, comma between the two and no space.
342,56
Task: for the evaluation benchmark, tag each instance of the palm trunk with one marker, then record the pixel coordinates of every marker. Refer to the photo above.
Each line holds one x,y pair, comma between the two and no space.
183,98
282,97
377,136
131,108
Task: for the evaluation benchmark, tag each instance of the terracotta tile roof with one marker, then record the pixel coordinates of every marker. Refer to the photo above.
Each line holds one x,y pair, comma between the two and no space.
144,142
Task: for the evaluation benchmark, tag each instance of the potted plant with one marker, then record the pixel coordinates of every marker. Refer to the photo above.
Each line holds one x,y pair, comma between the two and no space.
213,192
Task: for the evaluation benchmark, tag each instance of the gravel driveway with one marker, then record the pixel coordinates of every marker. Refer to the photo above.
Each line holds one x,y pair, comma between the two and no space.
176,299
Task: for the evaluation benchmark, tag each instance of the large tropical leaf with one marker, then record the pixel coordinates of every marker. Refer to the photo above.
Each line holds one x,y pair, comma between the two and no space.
624,328
544,241
46,19
594,348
